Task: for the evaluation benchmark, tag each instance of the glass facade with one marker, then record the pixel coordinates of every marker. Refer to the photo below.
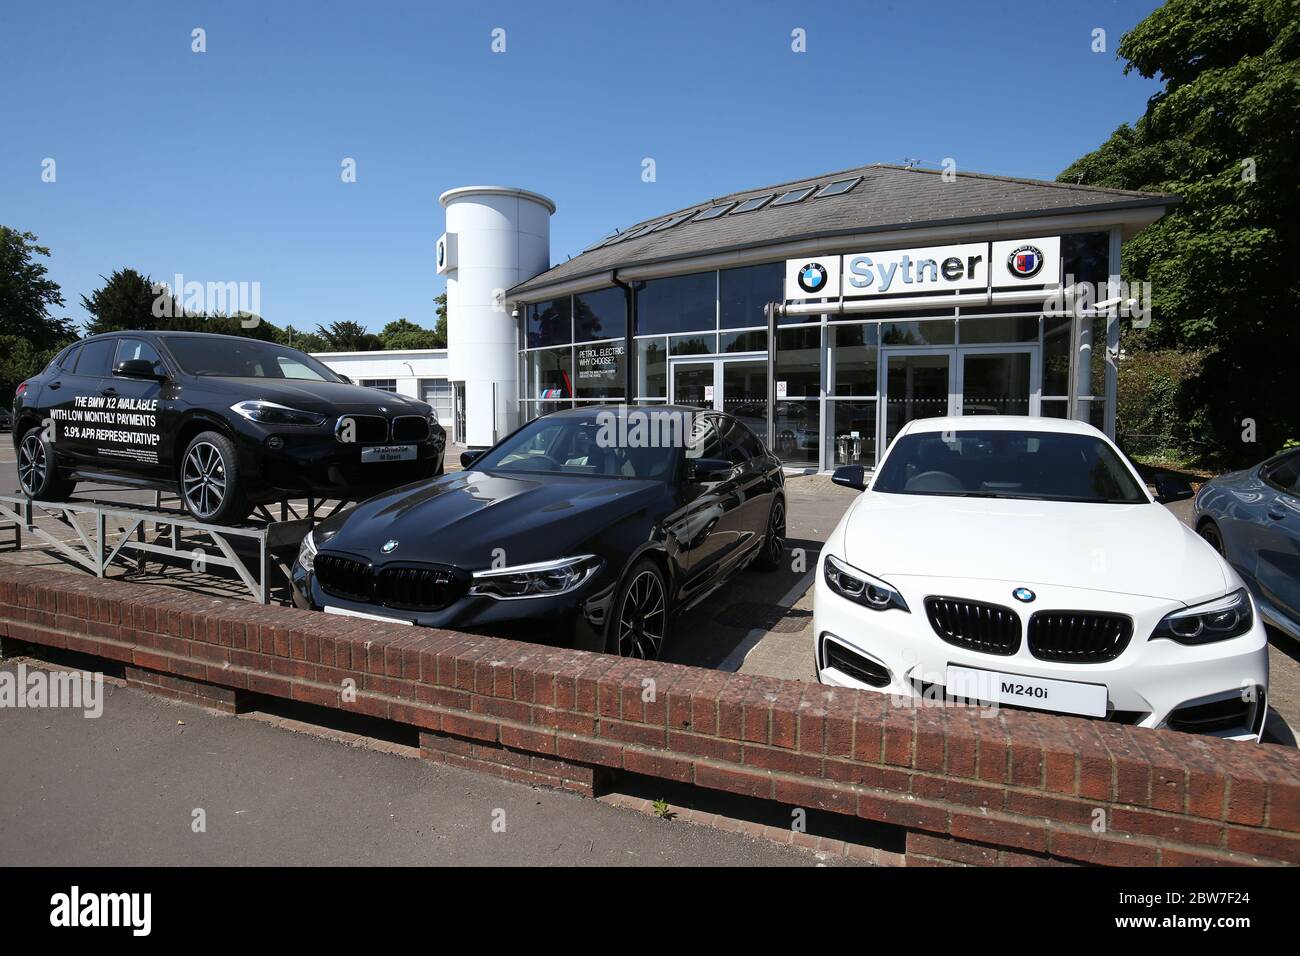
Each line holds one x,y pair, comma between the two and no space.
823,390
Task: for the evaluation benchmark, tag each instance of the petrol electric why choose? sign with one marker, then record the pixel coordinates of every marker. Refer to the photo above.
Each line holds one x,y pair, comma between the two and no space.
964,266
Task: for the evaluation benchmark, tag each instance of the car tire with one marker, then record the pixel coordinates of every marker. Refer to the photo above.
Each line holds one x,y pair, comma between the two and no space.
773,547
640,616
208,480
38,473
1210,532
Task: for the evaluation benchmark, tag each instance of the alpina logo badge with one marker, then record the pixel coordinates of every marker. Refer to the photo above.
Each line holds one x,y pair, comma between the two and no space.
1025,262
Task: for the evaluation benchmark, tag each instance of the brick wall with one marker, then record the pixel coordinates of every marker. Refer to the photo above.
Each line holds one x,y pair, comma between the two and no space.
967,788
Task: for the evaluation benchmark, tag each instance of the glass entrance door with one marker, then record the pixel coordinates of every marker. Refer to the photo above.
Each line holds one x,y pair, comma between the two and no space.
735,386
744,392
999,382
917,385
694,384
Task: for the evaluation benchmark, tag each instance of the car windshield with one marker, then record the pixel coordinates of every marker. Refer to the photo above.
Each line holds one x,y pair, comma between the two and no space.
1045,466
634,444
245,358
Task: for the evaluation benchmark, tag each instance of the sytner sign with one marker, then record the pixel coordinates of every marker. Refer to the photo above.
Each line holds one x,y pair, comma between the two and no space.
926,269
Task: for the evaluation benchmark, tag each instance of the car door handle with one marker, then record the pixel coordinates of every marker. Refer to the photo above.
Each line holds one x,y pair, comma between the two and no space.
1275,514
108,391
55,385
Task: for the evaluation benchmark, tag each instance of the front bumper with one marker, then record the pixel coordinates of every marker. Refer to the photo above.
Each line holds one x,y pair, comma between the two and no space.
576,619
313,462
1150,684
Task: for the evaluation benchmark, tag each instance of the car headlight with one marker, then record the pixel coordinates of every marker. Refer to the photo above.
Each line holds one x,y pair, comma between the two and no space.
307,553
269,413
544,579
862,588
1218,620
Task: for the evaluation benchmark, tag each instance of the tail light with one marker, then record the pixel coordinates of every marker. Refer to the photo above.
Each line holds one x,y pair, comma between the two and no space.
22,387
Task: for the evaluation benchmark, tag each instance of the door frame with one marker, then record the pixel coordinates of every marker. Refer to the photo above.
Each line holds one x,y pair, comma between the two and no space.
1035,370
956,355
882,392
718,361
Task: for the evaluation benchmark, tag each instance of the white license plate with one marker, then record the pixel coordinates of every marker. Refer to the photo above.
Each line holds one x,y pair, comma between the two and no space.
1041,693
388,453
348,612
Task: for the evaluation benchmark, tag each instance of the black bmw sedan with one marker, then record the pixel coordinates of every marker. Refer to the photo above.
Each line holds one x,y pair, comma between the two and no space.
225,421
591,528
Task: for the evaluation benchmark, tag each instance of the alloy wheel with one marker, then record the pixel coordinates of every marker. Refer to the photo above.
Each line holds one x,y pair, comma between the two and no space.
642,618
1211,534
31,463
776,532
203,479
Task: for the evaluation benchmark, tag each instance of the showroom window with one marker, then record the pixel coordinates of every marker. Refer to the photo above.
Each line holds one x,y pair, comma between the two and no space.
798,362
549,323
550,373
599,315
743,292
854,354
383,384
652,368
686,303
601,369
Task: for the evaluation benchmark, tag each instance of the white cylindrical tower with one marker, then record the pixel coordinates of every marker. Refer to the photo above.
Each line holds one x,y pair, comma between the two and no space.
497,237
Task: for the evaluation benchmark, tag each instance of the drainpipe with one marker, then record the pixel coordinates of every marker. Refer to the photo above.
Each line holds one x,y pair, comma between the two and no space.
629,374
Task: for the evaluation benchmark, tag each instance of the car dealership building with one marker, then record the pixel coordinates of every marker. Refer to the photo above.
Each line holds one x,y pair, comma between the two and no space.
825,312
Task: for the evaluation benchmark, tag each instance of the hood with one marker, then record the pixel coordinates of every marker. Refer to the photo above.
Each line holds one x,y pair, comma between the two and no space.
326,397
464,517
1129,549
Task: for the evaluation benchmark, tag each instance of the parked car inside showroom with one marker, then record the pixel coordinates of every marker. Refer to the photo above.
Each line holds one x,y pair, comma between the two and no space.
225,421
1022,562
573,530
1252,518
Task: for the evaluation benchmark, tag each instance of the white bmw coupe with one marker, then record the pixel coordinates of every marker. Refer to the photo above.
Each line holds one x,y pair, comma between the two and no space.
1021,562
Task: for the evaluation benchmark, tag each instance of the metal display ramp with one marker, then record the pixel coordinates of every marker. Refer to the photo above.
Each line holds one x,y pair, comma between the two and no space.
107,532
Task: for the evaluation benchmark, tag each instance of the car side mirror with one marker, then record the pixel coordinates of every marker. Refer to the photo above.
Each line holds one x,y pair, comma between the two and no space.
850,476
468,458
139,368
706,471
346,379
1170,488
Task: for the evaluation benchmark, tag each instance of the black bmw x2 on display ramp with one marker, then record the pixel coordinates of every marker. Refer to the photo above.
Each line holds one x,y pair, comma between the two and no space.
226,422
591,528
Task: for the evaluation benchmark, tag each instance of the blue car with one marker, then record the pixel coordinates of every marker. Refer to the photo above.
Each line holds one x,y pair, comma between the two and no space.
1252,518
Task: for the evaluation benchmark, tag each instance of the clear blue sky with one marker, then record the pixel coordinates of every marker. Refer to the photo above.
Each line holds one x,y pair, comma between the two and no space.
225,166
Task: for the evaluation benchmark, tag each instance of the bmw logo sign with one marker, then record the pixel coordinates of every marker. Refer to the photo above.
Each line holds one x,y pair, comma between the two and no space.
1025,262
391,545
1023,595
812,277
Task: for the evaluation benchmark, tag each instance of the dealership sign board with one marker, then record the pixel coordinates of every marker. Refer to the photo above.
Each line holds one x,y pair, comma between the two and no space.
961,267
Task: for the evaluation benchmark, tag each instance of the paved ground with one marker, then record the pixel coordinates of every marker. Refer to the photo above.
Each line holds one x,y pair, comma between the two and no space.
122,789
759,624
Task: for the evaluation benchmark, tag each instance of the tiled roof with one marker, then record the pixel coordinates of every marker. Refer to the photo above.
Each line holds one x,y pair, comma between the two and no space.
888,197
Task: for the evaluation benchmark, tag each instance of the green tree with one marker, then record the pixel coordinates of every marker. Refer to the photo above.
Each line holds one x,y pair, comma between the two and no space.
404,334
440,327
348,336
29,334
128,300
27,294
1222,134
